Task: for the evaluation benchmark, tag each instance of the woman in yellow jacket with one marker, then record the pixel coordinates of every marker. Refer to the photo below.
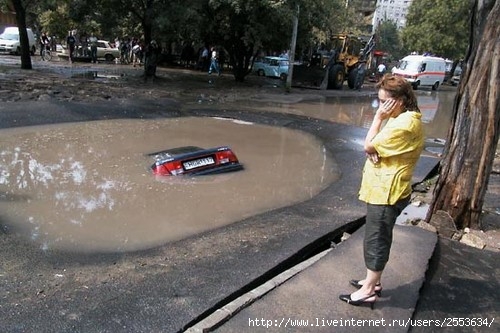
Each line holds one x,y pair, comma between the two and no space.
392,153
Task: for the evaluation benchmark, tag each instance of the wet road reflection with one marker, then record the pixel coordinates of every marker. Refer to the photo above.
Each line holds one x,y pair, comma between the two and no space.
87,186
436,108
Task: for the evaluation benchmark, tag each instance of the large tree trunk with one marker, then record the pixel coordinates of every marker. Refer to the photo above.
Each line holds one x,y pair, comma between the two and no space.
23,35
474,132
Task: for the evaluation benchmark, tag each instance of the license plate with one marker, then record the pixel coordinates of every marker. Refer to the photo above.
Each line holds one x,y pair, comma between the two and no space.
198,163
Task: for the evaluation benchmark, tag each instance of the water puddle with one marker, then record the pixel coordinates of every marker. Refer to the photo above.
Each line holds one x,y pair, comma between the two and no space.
88,187
97,75
436,110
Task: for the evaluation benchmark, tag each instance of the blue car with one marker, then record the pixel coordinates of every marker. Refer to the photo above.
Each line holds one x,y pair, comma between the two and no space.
272,67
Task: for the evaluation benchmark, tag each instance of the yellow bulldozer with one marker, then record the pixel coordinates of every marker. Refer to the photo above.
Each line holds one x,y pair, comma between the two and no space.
330,66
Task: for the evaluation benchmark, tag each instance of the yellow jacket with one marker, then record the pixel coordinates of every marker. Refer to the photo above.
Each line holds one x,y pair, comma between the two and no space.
399,145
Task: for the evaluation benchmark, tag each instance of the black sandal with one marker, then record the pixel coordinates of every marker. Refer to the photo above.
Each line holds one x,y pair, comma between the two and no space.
355,283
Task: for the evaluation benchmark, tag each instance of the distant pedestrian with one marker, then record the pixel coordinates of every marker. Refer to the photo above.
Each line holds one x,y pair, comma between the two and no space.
187,55
93,48
214,62
84,45
53,43
71,42
137,51
360,75
203,60
44,43
381,68
125,51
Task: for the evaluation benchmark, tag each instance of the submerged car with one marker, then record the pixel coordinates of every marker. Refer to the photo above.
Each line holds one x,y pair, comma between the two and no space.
191,160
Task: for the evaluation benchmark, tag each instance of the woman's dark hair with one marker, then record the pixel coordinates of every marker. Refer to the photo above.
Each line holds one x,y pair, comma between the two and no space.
397,87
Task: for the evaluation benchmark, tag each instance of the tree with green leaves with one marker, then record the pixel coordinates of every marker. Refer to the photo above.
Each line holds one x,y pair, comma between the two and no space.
244,28
438,27
241,28
55,21
388,39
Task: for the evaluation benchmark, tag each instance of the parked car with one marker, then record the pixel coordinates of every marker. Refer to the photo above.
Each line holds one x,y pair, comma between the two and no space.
107,51
271,66
104,51
455,79
191,160
60,48
10,43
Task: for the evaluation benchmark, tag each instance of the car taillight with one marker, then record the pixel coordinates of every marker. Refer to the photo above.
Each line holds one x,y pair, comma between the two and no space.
173,168
226,156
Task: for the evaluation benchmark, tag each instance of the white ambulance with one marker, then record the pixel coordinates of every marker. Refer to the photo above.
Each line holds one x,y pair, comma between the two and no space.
421,70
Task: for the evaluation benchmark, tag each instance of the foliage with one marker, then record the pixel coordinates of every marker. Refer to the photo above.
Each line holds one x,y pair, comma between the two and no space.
247,28
55,21
240,27
439,27
388,39
320,19
243,28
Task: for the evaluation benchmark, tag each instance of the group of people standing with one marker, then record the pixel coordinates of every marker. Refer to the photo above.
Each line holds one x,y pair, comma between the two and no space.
131,50
82,45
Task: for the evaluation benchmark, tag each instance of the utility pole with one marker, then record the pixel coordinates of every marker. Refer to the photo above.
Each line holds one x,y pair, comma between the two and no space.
292,50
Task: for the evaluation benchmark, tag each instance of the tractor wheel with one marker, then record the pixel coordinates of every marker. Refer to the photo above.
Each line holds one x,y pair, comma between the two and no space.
351,78
336,77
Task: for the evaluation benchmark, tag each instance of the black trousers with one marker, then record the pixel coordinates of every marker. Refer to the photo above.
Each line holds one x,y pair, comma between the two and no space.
380,220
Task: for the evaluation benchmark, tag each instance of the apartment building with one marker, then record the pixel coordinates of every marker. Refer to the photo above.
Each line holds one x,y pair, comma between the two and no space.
393,10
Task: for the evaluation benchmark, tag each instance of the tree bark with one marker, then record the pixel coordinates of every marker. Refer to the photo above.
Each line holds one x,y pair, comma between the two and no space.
23,35
474,132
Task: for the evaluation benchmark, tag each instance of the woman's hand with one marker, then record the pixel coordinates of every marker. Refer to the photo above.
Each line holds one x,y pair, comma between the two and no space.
373,157
386,109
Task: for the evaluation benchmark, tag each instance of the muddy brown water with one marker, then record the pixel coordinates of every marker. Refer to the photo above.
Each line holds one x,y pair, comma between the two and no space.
436,110
88,187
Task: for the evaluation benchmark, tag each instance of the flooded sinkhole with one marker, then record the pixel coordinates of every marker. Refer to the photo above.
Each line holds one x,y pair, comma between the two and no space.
88,186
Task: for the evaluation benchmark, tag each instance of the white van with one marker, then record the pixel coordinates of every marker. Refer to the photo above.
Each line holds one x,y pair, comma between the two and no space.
9,41
422,70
